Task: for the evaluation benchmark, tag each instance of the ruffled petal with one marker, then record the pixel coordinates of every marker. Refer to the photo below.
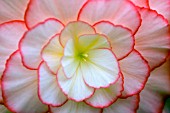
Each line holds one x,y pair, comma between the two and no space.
52,53
135,71
75,29
121,12
119,37
101,69
162,7
104,97
19,87
12,10
75,88
153,38
141,3
10,34
75,107
34,40
49,90
65,11
129,105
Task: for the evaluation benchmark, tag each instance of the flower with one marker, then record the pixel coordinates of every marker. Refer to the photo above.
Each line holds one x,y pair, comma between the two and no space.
84,56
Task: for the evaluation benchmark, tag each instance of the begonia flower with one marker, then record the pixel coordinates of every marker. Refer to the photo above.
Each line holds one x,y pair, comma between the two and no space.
84,56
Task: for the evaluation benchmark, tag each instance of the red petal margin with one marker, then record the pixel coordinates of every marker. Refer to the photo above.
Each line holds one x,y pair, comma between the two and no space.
19,87
33,41
141,3
119,12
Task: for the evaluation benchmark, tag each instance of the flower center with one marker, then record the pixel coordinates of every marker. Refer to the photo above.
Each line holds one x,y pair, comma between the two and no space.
82,56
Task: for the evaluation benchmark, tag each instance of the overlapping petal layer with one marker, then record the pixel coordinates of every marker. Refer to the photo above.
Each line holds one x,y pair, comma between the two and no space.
119,37
104,97
121,105
141,3
19,86
65,11
75,107
49,90
12,10
121,12
52,53
34,40
134,81
162,7
153,38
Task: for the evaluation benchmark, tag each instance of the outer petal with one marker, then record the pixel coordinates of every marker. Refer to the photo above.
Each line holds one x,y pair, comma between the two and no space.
100,71
52,53
153,38
10,34
75,107
120,12
40,10
49,91
19,86
75,29
1,99
135,71
119,37
121,105
151,98
141,3
34,40
12,10
74,88
104,97
162,7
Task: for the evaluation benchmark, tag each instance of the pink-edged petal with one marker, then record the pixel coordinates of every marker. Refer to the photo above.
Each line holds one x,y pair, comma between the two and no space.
119,37
75,107
12,10
141,3
101,69
120,12
40,10
34,40
153,43
135,71
162,7
19,87
128,105
75,29
150,102
10,34
75,88
104,97
49,91
3,109
52,53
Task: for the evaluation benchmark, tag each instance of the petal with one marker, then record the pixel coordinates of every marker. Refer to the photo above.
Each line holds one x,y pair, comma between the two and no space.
75,107
153,38
12,10
40,10
100,71
104,97
34,40
1,99
75,29
74,88
119,37
161,7
120,12
10,34
129,105
135,71
141,3
52,53
49,90
19,87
